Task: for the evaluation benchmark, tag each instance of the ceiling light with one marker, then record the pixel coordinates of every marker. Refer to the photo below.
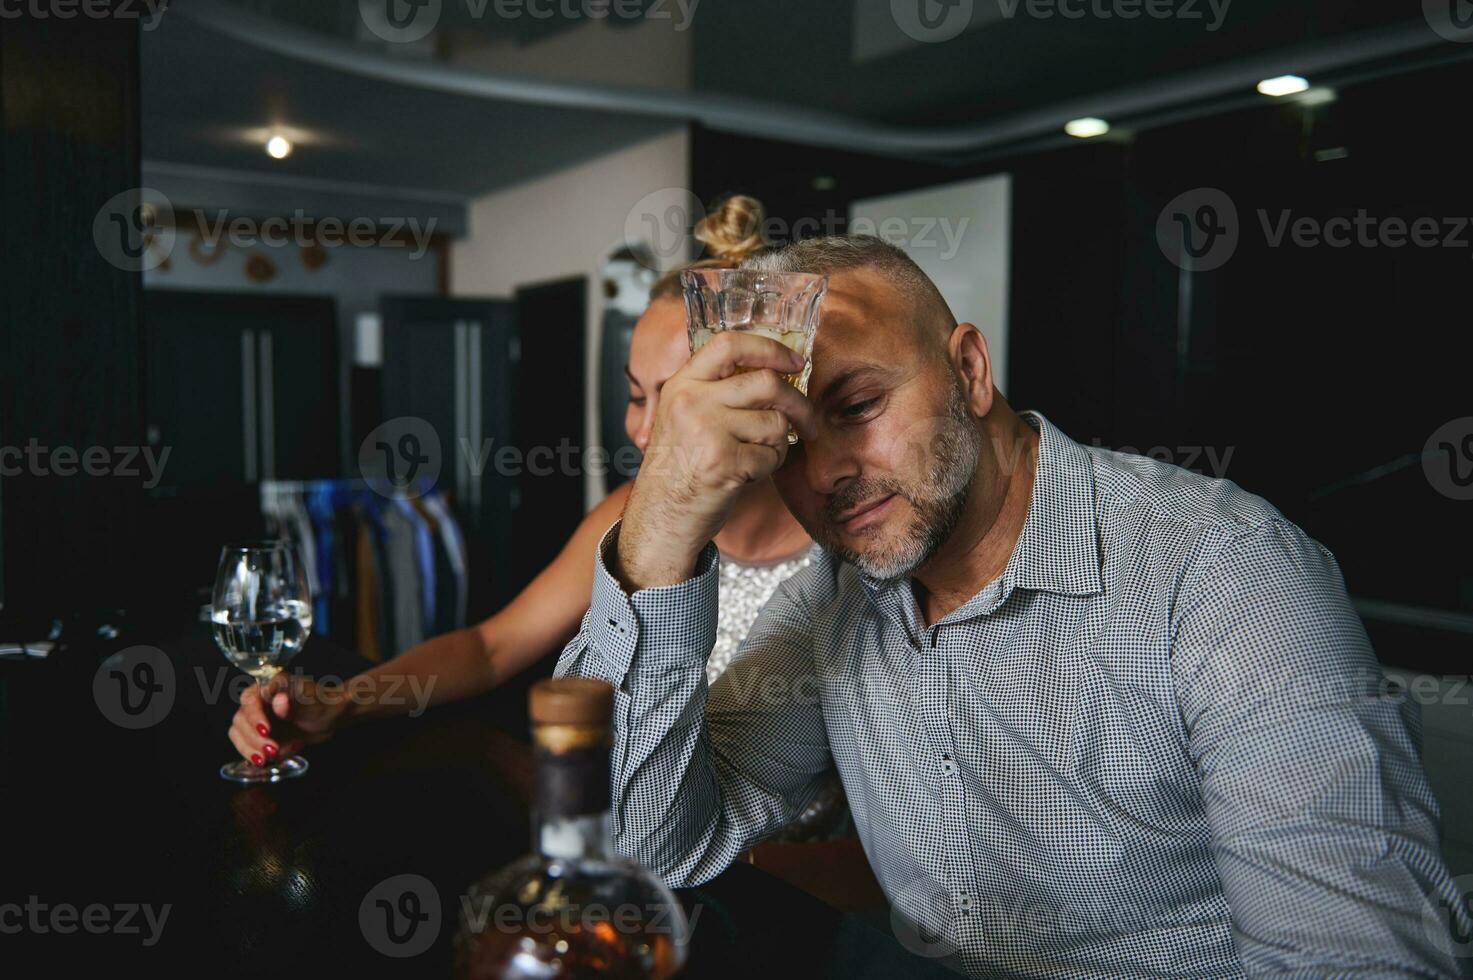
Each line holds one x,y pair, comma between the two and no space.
279,147
1283,85
1086,127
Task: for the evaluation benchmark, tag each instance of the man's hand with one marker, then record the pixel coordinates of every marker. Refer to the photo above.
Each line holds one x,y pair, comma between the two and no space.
716,431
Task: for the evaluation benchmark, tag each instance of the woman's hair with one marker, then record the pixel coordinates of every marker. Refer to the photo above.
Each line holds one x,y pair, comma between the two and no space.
731,232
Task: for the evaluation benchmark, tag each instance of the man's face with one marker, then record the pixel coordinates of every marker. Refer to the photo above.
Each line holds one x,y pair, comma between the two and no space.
885,479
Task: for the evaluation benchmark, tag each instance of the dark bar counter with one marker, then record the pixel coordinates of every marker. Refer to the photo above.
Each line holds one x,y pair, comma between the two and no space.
279,881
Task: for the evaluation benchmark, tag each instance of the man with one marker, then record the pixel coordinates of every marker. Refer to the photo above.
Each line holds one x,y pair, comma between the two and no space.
1095,715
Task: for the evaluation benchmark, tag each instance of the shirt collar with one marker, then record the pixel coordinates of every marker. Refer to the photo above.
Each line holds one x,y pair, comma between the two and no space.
1058,548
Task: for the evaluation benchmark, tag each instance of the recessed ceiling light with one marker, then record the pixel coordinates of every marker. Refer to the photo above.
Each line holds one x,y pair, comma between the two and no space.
279,147
1283,85
1086,127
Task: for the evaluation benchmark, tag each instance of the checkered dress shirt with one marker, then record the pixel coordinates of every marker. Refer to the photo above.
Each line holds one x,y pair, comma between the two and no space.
1157,745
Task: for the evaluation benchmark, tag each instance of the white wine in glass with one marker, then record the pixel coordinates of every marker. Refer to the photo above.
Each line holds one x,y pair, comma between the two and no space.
261,614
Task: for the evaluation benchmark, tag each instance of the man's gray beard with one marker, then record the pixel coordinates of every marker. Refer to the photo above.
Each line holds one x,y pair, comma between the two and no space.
938,501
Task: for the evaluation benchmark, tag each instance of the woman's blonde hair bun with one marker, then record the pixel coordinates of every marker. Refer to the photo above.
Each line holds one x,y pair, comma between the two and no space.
731,232
733,229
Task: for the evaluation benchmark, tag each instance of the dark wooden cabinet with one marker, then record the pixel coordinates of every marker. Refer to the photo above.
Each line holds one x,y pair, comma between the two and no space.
241,388
498,386
448,366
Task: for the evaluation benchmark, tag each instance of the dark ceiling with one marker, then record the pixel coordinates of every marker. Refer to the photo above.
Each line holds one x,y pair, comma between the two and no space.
208,95
1001,64
206,100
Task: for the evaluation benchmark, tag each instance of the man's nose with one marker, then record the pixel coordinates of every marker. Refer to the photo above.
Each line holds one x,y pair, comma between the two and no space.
826,464
645,426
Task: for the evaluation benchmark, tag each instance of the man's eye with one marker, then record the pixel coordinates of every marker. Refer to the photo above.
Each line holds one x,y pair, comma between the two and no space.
636,400
859,409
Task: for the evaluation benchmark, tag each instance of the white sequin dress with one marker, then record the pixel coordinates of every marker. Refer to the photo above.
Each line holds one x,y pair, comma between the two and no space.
743,590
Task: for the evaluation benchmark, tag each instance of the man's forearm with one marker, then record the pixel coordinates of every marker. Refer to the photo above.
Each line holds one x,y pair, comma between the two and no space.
652,647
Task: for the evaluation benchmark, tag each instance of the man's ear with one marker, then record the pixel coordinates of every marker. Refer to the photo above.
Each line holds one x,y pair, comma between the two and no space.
967,350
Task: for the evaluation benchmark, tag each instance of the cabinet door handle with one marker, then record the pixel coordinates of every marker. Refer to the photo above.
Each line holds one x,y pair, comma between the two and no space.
477,433
268,408
248,401
461,465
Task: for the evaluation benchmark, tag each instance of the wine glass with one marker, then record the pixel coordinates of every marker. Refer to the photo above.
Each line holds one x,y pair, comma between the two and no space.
261,614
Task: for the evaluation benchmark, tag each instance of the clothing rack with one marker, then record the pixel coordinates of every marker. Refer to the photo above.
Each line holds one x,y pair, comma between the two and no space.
386,572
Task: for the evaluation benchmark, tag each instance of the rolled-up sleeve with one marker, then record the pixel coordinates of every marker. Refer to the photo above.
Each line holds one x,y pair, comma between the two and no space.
1324,830
692,786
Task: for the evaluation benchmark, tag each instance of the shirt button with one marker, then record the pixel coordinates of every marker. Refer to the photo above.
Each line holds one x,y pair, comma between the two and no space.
966,903
616,627
948,767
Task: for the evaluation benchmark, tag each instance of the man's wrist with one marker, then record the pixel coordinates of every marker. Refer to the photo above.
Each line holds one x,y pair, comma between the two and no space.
638,566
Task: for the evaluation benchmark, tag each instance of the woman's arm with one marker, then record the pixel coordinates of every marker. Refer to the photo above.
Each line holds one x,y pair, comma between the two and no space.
445,668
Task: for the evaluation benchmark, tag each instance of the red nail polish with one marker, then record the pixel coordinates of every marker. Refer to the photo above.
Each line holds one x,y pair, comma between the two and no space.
270,751
256,760
262,730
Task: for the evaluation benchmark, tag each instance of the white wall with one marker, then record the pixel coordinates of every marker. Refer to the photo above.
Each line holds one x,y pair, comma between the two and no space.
960,236
563,225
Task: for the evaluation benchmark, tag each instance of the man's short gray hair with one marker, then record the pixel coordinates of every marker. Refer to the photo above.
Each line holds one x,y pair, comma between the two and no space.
836,253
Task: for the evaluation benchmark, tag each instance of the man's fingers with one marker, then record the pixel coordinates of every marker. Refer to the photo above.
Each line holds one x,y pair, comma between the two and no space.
762,426
758,462
765,389
732,350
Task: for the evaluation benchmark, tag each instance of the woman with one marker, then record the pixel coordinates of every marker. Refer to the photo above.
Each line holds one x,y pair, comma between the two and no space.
761,544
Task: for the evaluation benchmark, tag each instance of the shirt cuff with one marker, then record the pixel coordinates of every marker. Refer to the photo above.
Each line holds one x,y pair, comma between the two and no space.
671,627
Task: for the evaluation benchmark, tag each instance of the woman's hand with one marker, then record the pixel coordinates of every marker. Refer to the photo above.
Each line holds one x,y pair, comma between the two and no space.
301,712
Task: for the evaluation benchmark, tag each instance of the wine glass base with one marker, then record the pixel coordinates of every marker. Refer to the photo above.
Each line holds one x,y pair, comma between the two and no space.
242,771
